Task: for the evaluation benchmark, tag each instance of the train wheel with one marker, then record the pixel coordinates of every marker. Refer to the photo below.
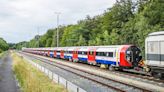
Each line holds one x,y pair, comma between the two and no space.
111,68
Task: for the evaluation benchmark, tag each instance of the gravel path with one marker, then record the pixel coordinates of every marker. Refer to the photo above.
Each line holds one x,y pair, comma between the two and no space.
7,80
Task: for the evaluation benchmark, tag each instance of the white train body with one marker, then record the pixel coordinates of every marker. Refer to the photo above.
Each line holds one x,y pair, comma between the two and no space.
154,50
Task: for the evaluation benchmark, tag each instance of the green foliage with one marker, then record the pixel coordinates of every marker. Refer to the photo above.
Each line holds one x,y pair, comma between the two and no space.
82,41
106,38
127,22
3,45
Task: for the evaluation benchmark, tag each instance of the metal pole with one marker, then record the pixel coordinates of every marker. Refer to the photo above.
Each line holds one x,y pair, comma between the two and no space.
38,37
57,13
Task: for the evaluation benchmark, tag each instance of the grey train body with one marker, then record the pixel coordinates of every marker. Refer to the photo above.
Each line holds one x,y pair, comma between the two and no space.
154,50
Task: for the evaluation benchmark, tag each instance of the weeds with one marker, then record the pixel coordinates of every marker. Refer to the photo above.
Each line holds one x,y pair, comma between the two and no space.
31,79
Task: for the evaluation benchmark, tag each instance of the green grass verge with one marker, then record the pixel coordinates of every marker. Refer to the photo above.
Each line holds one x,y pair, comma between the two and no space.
2,54
31,79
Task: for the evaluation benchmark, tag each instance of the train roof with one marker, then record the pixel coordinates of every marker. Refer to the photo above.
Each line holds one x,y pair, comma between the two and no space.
81,48
111,46
157,33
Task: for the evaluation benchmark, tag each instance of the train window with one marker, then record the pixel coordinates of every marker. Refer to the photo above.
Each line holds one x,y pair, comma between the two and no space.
70,52
75,52
110,54
153,47
66,52
98,53
84,53
91,53
107,54
79,52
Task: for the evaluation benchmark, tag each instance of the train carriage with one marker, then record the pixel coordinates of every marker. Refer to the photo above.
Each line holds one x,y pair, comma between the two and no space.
82,54
122,56
107,55
154,52
69,54
51,52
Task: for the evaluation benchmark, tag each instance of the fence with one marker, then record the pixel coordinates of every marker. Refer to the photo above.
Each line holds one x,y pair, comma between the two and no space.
56,78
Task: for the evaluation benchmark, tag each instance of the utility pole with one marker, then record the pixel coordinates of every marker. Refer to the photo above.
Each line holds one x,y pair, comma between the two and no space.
38,36
57,13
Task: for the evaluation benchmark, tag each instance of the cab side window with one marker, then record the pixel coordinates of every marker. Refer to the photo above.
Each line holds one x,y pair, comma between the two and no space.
91,52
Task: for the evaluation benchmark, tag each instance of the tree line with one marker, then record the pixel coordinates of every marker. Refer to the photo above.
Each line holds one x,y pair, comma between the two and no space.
3,45
127,22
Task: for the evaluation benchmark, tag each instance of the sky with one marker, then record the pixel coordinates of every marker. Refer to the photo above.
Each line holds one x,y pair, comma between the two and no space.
21,20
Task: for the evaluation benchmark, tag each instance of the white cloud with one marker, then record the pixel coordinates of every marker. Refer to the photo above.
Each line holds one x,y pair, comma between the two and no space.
19,19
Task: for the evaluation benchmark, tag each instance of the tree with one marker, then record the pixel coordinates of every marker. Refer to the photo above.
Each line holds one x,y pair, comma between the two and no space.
127,22
149,20
82,41
106,38
48,42
3,45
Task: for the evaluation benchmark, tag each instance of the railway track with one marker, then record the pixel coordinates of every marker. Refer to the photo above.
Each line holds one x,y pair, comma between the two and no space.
140,77
146,78
110,83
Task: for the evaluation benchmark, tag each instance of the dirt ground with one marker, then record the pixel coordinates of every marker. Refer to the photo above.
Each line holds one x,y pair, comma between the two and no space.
7,80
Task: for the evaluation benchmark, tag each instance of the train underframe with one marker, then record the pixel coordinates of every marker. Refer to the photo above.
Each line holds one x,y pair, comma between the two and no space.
157,72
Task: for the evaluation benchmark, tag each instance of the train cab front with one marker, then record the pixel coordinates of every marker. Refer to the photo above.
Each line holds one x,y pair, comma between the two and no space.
130,56
133,56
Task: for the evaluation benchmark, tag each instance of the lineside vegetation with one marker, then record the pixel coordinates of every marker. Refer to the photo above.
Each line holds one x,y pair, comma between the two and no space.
2,54
31,79
127,22
3,45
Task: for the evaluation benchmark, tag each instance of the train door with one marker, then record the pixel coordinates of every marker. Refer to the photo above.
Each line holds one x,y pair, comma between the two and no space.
55,55
75,55
91,56
62,54
48,53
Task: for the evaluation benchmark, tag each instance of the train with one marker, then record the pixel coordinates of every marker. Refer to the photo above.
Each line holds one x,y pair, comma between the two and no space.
113,57
154,53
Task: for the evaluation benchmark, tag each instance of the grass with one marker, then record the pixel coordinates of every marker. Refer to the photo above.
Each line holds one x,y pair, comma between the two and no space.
31,79
2,54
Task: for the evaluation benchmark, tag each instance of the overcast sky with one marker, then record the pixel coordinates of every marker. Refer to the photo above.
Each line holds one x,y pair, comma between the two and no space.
20,19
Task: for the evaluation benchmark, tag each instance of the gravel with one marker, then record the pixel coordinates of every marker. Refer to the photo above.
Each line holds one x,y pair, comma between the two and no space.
87,85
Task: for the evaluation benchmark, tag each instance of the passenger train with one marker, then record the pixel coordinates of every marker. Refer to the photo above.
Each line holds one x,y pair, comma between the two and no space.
114,57
154,50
